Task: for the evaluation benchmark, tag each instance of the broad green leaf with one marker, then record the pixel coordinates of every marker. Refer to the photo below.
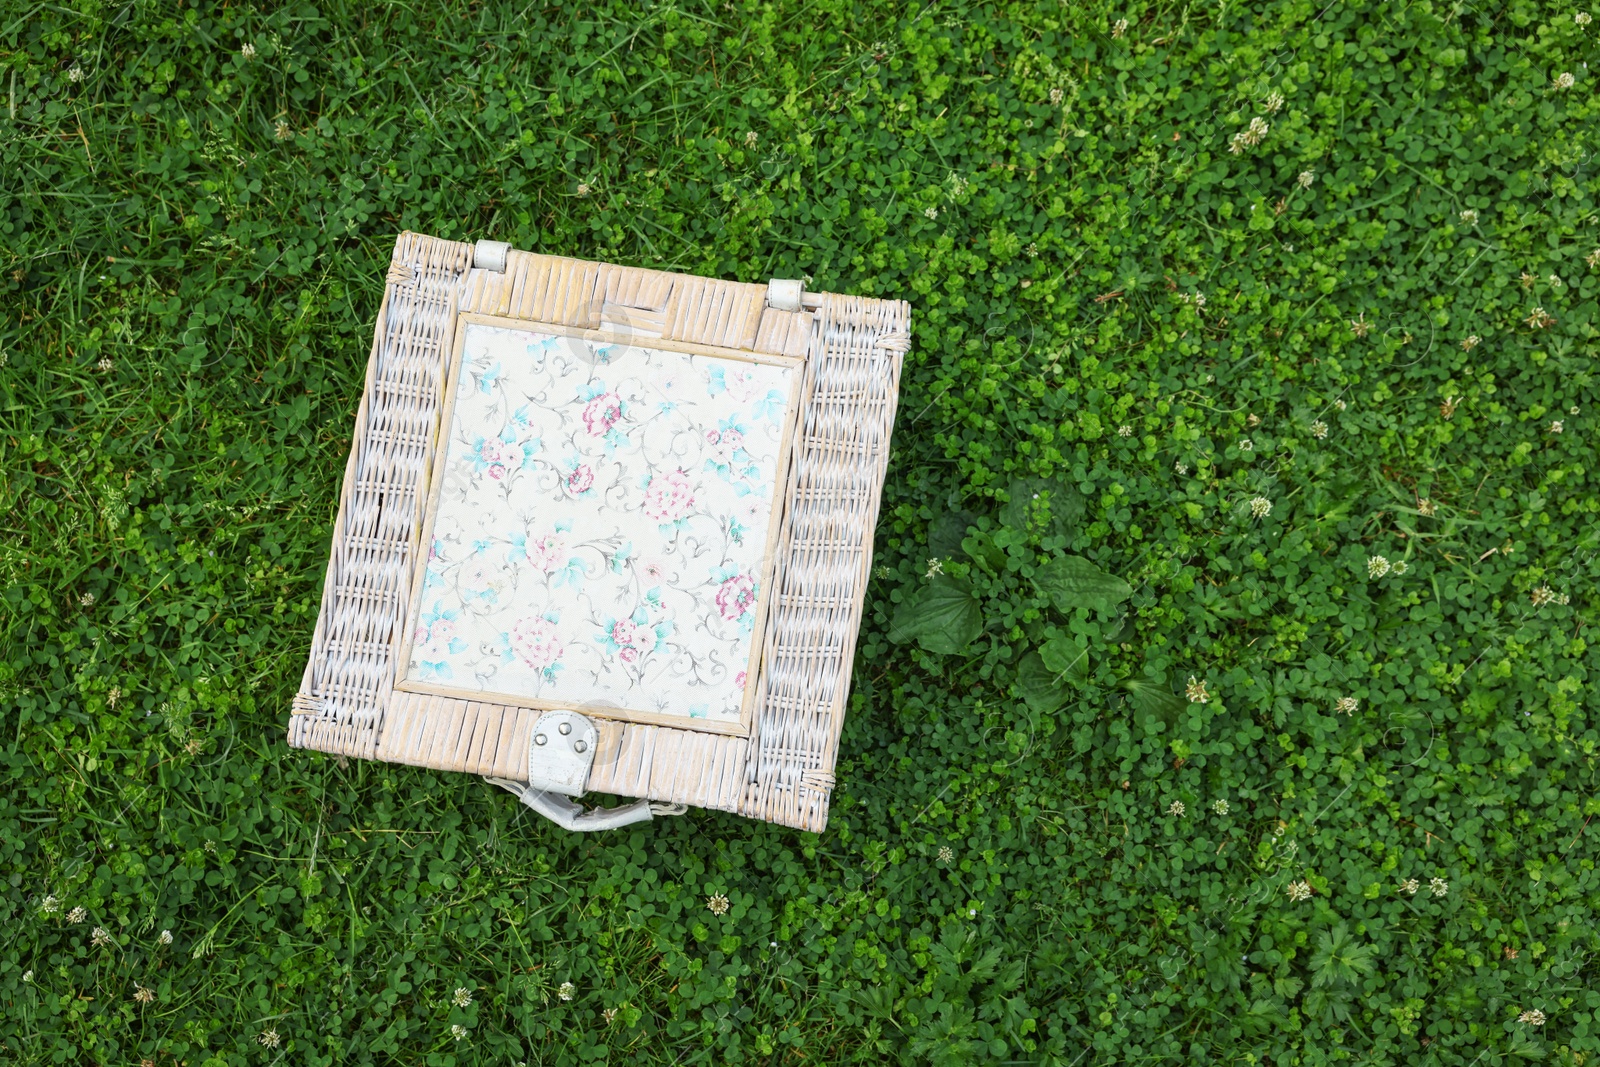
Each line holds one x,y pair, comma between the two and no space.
1154,698
943,617
1064,658
1072,581
1046,678
1039,686
984,552
946,532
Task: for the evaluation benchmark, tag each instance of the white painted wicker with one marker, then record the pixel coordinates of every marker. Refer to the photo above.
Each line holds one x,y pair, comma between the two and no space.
780,768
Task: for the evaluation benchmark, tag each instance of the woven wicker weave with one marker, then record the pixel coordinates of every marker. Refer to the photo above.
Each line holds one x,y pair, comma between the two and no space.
781,769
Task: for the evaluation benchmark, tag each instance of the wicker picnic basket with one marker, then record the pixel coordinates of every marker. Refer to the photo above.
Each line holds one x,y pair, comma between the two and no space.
744,430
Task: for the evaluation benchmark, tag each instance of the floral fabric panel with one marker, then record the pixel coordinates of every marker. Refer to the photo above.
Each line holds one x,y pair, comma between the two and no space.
602,525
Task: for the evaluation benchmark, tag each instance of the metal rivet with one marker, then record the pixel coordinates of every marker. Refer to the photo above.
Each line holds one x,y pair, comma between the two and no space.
581,746
565,728
540,739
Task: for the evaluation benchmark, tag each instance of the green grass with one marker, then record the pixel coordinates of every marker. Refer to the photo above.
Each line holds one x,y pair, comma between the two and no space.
192,248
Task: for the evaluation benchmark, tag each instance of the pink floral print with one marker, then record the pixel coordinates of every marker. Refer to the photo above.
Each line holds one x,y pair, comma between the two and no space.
724,443
602,413
668,497
581,480
547,553
633,639
736,596
498,456
537,642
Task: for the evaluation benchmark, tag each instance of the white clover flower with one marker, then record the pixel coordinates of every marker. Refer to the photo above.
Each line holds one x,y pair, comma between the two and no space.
1175,808
1306,178
281,130
1582,18
1196,691
100,937
935,567
566,991
1438,886
1119,27
75,75
1124,431
166,937
105,365
717,904
930,212
1593,258
1246,445
1180,467
1250,136
1346,705
1360,326
1220,807
1377,567
1274,102
1470,343
1555,426
583,188
946,854
249,52
86,600
1056,96
1260,507
142,995
1544,595
1539,318
1425,507
751,138
77,915
1299,891
1535,1017
269,1038
609,1015
1565,80
1410,885
463,997
1469,217
50,905
27,977
1399,568
1340,404
1319,429
458,1031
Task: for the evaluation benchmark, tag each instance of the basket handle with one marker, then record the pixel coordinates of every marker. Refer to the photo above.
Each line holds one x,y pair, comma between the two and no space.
569,815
